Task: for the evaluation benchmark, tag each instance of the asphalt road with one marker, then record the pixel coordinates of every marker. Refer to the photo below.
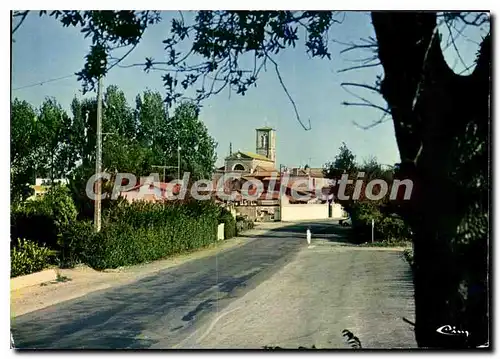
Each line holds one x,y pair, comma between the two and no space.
265,292
310,301
163,308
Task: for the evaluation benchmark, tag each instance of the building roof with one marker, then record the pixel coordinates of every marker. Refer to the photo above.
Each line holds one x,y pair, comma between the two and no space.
160,185
265,169
257,156
313,172
265,128
316,172
248,155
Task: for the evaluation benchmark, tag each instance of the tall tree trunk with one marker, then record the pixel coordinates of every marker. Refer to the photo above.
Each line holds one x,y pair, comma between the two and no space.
441,122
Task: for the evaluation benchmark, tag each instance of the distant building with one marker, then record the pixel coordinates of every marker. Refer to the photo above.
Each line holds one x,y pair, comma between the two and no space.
247,162
42,185
276,202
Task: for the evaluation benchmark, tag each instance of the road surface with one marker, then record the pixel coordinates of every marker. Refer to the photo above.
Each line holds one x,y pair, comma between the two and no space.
273,290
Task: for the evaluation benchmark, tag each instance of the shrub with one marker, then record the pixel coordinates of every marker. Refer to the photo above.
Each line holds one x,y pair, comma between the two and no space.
44,219
389,228
250,223
34,226
28,257
408,254
362,214
239,227
230,229
393,229
142,232
243,225
73,242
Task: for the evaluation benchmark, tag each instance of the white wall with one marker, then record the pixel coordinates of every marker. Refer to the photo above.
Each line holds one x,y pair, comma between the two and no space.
299,212
337,211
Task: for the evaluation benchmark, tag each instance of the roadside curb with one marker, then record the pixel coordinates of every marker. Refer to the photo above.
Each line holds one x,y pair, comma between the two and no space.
32,279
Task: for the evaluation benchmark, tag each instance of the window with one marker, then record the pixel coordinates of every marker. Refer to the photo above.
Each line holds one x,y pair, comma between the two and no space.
238,167
263,141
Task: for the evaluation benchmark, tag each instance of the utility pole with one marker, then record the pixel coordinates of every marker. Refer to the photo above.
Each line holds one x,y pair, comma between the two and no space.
373,230
164,167
97,208
178,159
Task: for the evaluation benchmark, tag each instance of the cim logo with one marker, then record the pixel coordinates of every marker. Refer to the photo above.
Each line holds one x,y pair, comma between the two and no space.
452,330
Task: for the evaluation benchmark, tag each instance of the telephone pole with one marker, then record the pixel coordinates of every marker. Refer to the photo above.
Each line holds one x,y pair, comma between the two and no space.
97,208
178,159
164,168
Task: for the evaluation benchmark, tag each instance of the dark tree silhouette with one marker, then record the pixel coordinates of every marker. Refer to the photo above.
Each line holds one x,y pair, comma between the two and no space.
441,121
442,124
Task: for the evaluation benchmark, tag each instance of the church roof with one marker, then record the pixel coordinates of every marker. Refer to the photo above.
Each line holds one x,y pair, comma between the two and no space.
264,169
250,155
266,128
257,156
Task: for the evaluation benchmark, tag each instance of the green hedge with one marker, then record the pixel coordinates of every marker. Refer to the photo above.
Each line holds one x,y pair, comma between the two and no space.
29,257
73,243
142,232
130,234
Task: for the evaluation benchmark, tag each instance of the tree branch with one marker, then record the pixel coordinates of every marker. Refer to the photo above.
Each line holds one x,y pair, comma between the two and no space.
359,67
288,94
477,21
455,45
23,15
372,88
385,110
123,57
381,120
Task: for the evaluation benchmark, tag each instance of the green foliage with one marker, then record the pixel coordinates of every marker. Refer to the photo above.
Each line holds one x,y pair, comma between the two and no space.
152,120
408,254
198,155
142,232
344,162
229,223
388,228
73,243
54,157
362,210
218,40
22,140
243,225
29,257
43,219
393,229
118,116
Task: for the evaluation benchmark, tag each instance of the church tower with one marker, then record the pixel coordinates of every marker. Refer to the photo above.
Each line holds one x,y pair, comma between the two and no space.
266,142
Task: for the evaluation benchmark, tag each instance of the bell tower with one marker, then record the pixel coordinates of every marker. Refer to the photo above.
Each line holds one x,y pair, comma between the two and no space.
266,142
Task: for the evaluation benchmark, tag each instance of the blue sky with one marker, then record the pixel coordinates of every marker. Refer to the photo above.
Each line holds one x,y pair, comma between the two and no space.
44,50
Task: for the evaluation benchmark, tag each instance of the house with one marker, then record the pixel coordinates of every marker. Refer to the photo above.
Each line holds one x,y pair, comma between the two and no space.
149,192
42,185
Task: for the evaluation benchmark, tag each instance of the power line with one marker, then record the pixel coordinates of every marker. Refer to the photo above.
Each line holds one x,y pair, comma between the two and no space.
43,82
